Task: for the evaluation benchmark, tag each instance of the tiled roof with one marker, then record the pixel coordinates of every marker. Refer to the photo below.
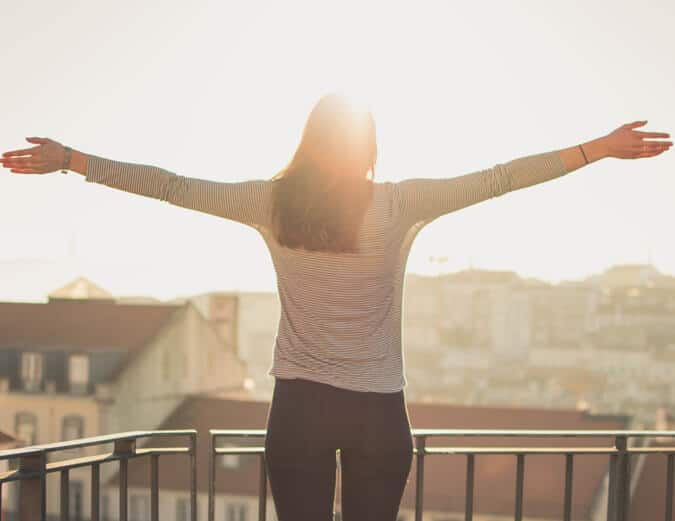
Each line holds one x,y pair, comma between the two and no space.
7,441
444,475
80,324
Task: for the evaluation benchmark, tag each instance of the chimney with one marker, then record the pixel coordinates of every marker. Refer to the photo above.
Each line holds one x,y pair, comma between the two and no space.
661,423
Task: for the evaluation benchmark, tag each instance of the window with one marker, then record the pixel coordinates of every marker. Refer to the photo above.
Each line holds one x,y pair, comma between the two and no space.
31,371
106,515
75,500
25,428
72,428
182,509
78,373
139,507
229,461
236,511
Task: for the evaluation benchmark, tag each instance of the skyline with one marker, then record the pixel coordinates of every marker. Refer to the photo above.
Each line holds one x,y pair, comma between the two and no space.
25,280
221,91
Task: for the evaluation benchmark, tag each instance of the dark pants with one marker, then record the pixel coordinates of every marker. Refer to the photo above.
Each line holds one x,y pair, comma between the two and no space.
307,422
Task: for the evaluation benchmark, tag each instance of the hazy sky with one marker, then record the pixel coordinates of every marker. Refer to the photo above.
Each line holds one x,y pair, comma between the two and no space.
221,90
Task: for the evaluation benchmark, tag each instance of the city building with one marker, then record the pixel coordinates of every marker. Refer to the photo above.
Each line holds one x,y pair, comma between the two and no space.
82,364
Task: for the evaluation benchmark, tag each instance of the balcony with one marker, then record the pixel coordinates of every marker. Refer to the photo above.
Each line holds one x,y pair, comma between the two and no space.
30,467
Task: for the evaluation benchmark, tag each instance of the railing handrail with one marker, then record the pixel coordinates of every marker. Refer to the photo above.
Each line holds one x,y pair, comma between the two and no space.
534,433
32,468
94,440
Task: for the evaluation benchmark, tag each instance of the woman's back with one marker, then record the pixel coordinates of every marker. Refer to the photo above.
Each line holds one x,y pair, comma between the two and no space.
341,312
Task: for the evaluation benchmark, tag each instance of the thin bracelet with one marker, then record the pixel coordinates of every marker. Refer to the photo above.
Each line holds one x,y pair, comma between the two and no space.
582,151
66,159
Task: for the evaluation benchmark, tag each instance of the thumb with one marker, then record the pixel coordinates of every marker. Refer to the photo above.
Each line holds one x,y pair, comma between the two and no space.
635,124
38,140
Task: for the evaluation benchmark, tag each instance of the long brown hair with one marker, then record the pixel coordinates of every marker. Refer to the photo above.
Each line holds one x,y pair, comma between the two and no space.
320,197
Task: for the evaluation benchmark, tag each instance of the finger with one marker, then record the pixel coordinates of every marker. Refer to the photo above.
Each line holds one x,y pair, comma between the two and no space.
635,124
22,170
651,145
28,167
651,134
40,140
20,161
23,152
650,154
653,142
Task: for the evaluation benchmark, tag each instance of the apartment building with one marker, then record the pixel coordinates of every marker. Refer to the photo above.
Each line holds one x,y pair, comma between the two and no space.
83,364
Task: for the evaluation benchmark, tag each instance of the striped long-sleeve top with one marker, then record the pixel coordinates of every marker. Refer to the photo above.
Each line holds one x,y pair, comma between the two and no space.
340,320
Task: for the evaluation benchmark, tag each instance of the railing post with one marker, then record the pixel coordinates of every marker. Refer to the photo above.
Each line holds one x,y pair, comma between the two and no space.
95,492
193,476
669,488
611,489
623,479
123,449
212,476
32,491
468,508
419,480
520,475
569,470
262,490
154,487
65,495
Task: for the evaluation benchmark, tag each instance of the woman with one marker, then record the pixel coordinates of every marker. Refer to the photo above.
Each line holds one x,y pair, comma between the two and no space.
339,243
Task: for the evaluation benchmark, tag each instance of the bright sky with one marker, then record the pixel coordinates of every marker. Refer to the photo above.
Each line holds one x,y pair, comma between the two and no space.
221,90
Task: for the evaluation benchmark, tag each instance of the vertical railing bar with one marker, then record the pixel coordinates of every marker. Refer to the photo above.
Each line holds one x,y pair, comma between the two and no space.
262,490
468,512
95,492
193,476
621,476
123,489
65,496
669,488
43,485
32,502
212,476
520,474
154,487
625,495
0,499
569,470
32,491
419,478
611,488
123,449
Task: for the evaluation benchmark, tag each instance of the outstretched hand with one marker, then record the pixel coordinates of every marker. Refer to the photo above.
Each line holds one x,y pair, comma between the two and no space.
45,158
627,143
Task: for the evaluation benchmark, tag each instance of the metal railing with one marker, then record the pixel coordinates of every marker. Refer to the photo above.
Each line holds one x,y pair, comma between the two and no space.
32,469
618,497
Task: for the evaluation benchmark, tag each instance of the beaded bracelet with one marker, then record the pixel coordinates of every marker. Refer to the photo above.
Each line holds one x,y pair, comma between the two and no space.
584,153
67,151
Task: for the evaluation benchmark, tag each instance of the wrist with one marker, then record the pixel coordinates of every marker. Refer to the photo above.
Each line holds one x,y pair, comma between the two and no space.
596,149
78,162
65,162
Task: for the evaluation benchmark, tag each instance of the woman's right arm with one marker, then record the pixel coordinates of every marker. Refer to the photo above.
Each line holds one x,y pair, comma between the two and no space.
420,200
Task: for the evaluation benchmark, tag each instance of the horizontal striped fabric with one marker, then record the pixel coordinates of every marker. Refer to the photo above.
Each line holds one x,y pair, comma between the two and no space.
340,318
